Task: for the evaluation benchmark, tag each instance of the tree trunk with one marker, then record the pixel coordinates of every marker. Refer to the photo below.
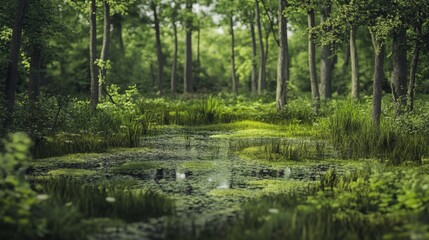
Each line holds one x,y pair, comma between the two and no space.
312,63
198,44
93,53
35,72
346,58
104,57
355,65
117,26
283,58
378,78
174,67
15,46
254,79
413,71
399,70
326,61
159,54
233,71
188,81
261,77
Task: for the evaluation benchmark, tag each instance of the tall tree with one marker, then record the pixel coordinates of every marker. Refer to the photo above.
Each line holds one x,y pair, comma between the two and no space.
379,49
354,63
326,59
188,78
254,76
159,54
104,57
399,69
312,61
93,53
233,69
414,64
262,67
174,14
15,46
283,57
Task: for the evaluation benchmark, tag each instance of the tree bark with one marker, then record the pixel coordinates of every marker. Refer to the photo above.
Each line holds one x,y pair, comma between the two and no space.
399,70
355,65
198,44
254,78
159,53
283,58
117,27
326,61
312,63
35,72
188,78
104,57
233,71
378,79
261,77
93,53
174,67
15,46
413,71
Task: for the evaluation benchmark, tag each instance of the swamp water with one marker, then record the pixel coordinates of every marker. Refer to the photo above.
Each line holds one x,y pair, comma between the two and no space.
201,173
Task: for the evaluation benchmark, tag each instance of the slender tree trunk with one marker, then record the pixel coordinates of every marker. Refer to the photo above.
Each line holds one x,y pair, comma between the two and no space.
93,53
254,79
118,27
413,71
233,71
267,38
198,44
159,53
378,79
104,57
283,58
261,77
15,46
399,70
188,78
152,74
174,67
346,58
326,61
312,63
35,72
355,65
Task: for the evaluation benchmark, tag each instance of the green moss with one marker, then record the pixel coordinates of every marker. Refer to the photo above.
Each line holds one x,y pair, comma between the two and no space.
238,193
273,186
133,167
71,172
197,165
70,159
128,150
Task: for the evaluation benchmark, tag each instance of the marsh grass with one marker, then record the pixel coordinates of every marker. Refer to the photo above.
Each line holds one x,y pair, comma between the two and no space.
109,201
354,136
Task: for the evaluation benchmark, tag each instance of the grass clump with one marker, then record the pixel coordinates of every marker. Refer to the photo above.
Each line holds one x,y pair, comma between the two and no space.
71,172
132,168
109,201
354,136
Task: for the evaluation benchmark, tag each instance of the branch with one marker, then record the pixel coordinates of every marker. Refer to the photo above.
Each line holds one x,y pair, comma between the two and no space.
271,22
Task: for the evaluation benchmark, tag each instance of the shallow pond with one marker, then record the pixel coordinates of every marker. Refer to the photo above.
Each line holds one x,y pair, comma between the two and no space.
203,174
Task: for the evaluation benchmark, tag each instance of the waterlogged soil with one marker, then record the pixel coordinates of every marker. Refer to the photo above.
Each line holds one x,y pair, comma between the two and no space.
202,173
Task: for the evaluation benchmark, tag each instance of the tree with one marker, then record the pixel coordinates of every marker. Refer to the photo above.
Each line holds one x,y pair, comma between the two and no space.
93,53
188,78
159,54
326,59
103,63
379,49
399,69
15,46
262,68
283,58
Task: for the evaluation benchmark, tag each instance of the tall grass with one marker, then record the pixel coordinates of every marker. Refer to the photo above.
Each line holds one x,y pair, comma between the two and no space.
354,136
109,201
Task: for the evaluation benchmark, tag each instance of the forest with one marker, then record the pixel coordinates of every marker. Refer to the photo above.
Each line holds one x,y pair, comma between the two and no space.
214,119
